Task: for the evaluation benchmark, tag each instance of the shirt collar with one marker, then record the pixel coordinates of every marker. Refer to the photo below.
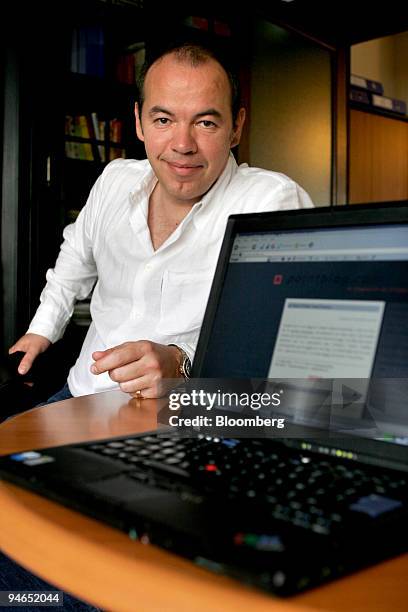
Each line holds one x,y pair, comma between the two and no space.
140,196
214,195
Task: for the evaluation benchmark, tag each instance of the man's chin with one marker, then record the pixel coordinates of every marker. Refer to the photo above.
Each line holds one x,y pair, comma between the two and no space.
187,197
187,191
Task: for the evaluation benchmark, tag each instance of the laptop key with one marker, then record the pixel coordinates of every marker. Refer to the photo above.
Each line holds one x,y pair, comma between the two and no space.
172,460
135,442
123,456
163,467
157,456
110,451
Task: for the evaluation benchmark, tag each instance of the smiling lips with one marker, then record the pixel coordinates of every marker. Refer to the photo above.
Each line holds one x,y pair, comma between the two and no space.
183,169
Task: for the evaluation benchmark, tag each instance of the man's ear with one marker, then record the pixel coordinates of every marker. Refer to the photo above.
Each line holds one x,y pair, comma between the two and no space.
139,130
237,128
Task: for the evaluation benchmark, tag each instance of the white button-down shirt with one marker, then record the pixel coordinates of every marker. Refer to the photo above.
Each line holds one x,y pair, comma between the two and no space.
140,293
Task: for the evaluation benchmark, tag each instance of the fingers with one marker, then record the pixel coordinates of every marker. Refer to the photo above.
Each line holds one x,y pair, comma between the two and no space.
143,384
137,366
28,359
118,356
129,371
32,345
26,362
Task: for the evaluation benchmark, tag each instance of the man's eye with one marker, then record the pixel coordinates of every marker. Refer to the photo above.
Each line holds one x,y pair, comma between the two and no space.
207,124
162,120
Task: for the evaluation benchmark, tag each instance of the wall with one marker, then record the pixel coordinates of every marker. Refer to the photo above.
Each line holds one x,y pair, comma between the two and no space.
290,113
385,60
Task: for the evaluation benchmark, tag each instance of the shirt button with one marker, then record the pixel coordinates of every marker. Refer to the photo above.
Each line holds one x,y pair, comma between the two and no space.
148,266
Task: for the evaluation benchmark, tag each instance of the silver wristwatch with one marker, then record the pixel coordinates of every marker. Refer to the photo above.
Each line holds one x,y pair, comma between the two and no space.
184,368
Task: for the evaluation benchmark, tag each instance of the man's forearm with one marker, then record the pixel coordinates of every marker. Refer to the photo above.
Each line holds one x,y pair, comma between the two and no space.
72,278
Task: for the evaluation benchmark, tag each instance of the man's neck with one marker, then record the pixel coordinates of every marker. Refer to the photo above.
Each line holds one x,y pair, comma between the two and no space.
165,215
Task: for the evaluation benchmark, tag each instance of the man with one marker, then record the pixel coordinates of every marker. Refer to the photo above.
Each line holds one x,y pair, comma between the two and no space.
151,231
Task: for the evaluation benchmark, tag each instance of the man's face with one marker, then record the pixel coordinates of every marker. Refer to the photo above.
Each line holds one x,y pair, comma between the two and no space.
186,126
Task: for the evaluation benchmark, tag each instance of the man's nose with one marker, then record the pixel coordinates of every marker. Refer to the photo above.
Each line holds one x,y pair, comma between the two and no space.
183,140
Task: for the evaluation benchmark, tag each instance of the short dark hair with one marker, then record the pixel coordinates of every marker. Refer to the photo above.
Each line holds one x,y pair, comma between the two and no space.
196,55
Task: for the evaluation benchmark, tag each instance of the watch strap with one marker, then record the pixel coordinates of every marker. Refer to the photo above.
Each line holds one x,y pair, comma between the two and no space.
184,367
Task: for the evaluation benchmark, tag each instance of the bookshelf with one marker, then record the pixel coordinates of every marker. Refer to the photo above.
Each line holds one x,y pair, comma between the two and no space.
96,128
95,120
57,160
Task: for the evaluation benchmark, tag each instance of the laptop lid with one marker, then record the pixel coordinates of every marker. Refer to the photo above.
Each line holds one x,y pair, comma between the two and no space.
313,295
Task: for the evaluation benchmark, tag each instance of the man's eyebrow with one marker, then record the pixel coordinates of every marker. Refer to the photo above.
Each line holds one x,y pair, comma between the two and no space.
209,111
155,110
158,110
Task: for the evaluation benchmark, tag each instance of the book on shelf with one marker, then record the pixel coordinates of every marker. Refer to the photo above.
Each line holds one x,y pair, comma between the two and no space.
116,152
79,126
199,23
82,313
95,126
78,150
115,130
368,84
99,131
129,64
375,101
88,136
360,96
391,104
85,129
88,50
219,27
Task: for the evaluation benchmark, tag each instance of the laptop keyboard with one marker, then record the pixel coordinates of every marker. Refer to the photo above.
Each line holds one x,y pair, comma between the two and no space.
305,489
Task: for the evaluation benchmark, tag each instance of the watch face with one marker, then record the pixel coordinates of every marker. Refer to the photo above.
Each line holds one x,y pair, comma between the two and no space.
187,367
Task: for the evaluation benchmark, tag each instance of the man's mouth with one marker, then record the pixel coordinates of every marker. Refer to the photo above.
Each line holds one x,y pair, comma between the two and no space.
184,169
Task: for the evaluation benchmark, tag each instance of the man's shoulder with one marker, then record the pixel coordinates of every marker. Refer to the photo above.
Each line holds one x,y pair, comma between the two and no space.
257,190
119,179
121,168
261,178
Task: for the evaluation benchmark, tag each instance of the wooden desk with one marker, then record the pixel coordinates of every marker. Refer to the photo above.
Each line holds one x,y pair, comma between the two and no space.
104,567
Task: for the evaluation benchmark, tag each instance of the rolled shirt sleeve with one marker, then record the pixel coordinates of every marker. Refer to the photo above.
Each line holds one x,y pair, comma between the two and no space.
73,276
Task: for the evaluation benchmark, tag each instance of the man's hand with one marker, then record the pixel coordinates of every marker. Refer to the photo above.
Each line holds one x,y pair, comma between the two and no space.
32,345
139,366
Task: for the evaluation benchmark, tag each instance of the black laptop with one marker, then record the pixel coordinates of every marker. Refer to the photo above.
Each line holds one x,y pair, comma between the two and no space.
308,305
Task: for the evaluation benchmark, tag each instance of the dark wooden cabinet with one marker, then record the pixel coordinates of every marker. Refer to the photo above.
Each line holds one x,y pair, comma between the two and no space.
378,157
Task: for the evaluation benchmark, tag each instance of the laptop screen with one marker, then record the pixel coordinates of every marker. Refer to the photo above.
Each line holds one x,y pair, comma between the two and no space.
327,303
315,304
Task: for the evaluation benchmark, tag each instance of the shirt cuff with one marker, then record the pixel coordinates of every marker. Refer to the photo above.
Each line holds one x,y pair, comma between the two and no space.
48,325
187,348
